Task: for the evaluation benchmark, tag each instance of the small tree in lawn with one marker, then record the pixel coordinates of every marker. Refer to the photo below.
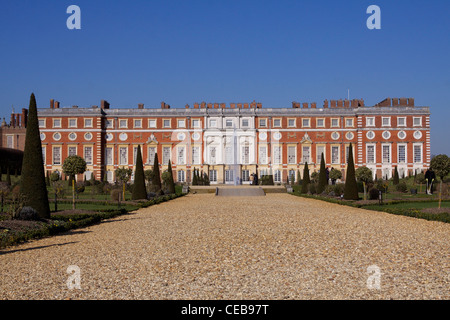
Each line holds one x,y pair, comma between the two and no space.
59,187
441,167
364,175
123,175
322,176
351,188
139,190
72,166
306,179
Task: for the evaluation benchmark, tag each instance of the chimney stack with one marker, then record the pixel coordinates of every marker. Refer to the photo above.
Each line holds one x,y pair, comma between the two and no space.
52,104
140,106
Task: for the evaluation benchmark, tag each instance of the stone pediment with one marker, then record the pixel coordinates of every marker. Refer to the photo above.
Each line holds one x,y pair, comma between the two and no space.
306,139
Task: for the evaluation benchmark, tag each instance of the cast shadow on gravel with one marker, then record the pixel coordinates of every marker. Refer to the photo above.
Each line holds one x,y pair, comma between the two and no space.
2,252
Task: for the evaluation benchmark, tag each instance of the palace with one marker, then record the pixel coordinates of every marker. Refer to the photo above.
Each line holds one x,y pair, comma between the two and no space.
230,143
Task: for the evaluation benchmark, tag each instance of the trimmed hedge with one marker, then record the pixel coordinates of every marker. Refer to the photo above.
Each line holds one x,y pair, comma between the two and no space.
63,223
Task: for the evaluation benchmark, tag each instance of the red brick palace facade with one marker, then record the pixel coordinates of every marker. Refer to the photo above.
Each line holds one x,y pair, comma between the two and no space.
232,142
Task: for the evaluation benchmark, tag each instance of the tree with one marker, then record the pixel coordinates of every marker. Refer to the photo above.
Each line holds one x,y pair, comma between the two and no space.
170,182
139,190
123,175
298,177
72,166
195,178
148,175
364,175
441,167
335,175
33,185
396,179
306,179
351,188
156,179
322,176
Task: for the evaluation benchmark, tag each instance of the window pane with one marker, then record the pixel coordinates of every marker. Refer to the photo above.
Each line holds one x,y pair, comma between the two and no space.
401,154
57,155
334,155
166,155
123,157
291,155
263,155
370,154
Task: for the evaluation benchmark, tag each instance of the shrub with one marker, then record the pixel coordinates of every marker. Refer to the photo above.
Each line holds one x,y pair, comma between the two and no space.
116,194
401,187
339,189
312,188
27,213
373,194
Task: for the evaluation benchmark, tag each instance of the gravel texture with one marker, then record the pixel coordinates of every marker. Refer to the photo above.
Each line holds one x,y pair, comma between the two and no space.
206,247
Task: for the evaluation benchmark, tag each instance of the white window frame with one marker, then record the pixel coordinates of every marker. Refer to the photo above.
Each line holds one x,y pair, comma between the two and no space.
43,121
292,154
195,123
263,125
72,119
398,122
277,126
319,154
165,155
213,123
370,121
183,158
196,154
169,125
374,153
90,160
308,123
398,152
277,155
150,123
304,159
121,121
414,121
137,123
181,123
263,159
292,125
352,125
123,161
336,161
87,125
421,152
109,158
387,124
388,161
317,123
60,123
335,125
60,155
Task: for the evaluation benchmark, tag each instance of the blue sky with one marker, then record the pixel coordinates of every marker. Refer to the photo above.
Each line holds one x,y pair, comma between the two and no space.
274,52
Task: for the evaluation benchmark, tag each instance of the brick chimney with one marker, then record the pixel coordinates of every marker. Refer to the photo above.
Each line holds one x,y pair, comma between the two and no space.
325,104
52,104
56,104
104,104
232,105
313,105
411,102
305,105
259,105
140,106
196,105
24,117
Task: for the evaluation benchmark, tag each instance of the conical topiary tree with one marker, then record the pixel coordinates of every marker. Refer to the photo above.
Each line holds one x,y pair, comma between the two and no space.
195,178
156,181
322,176
171,183
306,179
396,179
139,190
298,177
33,185
351,188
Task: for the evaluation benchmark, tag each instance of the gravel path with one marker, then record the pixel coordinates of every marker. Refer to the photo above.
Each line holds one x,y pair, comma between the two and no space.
206,247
